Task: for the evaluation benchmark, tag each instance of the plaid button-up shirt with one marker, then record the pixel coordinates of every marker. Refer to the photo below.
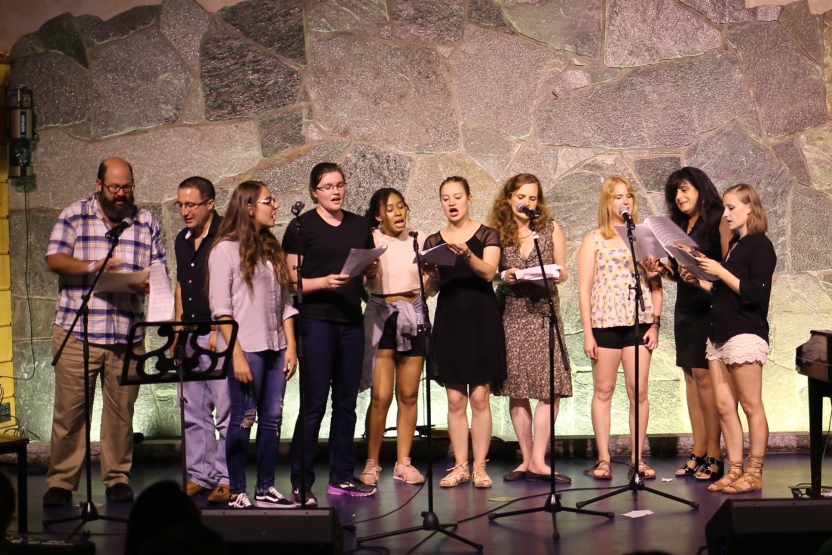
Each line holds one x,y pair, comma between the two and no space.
80,233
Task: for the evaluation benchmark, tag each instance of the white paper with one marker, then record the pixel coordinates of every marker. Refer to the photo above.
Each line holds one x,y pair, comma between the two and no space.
440,255
118,282
646,242
638,514
161,303
534,274
667,232
667,479
687,261
359,259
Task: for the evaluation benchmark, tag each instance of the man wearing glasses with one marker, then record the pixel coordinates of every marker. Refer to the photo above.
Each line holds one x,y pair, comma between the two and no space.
76,252
204,455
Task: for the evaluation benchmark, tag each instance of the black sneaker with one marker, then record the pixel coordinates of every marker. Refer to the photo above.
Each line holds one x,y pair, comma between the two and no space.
351,486
311,500
120,492
239,501
272,499
55,497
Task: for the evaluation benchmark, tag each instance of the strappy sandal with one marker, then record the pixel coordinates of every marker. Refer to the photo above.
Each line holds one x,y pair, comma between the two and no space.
644,470
732,476
601,466
751,479
687,470
481,478
706,472
456,476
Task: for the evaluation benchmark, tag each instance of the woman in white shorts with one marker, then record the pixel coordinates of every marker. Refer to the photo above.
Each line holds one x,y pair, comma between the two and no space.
737,346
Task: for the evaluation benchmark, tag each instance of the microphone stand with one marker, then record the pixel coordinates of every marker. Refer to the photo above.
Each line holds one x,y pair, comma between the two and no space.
430,522
296,209
89,512
636,482
552,504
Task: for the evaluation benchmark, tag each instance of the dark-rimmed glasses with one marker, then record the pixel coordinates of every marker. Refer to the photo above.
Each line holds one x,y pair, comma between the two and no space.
189,205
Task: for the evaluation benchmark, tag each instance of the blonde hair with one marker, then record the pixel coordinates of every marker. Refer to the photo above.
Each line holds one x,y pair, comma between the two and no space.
757,219
607,195
502,215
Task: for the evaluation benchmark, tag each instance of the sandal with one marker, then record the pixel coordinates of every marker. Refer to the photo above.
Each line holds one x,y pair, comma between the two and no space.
732,476
644,471
601,466
481,478
456,476
687,470
751,479
706,472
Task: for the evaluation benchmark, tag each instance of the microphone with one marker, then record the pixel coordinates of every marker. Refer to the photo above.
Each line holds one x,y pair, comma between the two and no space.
116,231
413,233
530,214
624,212
297,207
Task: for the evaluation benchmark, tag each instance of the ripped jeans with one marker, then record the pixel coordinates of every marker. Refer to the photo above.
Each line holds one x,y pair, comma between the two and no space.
261,399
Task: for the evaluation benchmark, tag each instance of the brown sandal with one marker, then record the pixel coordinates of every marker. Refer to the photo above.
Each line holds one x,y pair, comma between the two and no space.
751,479
601,466
730,477
646,472
480,477
456,476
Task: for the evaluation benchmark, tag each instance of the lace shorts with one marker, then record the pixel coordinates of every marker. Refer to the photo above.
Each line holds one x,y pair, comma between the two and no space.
740,349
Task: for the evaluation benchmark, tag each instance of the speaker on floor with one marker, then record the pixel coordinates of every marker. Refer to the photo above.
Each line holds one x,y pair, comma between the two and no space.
743,526
259,531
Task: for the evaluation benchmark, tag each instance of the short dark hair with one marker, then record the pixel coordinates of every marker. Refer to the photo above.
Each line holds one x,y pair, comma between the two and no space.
205,187
318,172
456,179
102,170
378,200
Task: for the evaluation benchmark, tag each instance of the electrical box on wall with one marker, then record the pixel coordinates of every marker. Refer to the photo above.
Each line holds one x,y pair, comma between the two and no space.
5,412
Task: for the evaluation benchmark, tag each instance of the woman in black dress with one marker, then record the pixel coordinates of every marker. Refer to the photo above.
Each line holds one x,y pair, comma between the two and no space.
693,204
468,338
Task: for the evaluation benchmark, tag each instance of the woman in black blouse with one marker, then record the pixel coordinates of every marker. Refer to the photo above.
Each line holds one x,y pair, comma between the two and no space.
738,344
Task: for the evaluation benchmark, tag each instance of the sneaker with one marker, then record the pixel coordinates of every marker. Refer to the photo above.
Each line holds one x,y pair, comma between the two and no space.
221,494
120,492
239,501
352,486
371,472
311,500
407,474
272,499
55,497
194,489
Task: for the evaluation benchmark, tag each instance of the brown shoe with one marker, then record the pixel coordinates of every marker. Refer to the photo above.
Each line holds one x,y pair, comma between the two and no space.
194,489
221,494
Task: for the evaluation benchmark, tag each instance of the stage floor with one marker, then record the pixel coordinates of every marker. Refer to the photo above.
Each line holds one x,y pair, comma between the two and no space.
673,527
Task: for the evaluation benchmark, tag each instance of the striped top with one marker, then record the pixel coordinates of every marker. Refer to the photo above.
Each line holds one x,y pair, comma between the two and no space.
80,233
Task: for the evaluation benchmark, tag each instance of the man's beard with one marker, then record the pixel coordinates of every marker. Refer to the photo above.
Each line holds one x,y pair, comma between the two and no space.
114,212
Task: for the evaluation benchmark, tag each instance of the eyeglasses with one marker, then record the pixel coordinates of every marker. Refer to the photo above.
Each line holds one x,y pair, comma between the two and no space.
116,188
329,188
189,205
268,201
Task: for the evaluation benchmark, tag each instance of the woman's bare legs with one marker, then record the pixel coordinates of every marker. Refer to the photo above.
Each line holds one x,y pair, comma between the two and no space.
408,374
604,376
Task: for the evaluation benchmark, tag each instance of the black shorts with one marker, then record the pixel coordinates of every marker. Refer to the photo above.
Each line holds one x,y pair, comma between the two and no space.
619,337
388,339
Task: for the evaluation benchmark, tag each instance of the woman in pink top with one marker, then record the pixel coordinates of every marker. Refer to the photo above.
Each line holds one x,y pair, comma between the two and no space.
392,345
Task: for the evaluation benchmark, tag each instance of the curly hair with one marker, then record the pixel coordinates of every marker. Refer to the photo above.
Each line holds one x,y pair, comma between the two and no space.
699,180
254,247
378,202
501,217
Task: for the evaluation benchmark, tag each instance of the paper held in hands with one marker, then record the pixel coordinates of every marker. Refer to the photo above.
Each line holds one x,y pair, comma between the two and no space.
161,303
119,282
440,255
359,259
534,275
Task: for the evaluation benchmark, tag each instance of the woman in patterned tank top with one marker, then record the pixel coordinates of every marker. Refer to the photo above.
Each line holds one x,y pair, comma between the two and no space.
605,282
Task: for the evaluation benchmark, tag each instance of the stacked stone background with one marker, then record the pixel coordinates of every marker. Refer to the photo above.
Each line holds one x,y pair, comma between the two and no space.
406,92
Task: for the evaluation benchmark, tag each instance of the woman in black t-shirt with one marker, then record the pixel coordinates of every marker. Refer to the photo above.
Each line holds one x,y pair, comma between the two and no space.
332,330
738,344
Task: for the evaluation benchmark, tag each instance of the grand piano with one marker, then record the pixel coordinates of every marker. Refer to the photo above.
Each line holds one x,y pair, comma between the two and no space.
812,360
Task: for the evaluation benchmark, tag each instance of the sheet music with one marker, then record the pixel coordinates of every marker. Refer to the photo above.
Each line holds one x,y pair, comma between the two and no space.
359,259
161,303
646,243
534,275
440,255
119,282
667,232
688,262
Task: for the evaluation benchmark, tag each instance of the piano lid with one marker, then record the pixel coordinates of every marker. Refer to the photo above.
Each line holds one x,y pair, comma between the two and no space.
812,358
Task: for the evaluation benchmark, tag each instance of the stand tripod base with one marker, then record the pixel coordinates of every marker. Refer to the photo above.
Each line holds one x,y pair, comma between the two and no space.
635,485
430,523
89,513
553,507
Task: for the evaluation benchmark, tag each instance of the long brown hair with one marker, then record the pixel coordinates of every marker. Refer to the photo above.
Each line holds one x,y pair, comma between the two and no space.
757,219
501,217
238,225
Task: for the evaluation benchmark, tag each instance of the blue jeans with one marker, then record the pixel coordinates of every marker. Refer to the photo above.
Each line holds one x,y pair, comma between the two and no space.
204,454
261,398
333,354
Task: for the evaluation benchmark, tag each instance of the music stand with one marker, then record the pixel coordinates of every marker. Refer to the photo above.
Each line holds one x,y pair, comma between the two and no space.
430,522
177,368
552,504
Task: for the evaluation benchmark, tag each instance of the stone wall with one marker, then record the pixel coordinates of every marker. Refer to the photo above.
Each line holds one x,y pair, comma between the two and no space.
406,92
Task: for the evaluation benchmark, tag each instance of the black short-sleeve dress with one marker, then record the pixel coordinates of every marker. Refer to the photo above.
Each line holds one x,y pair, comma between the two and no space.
468,337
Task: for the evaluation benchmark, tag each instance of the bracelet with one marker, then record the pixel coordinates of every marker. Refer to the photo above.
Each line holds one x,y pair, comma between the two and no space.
468,256
91,267
657,321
